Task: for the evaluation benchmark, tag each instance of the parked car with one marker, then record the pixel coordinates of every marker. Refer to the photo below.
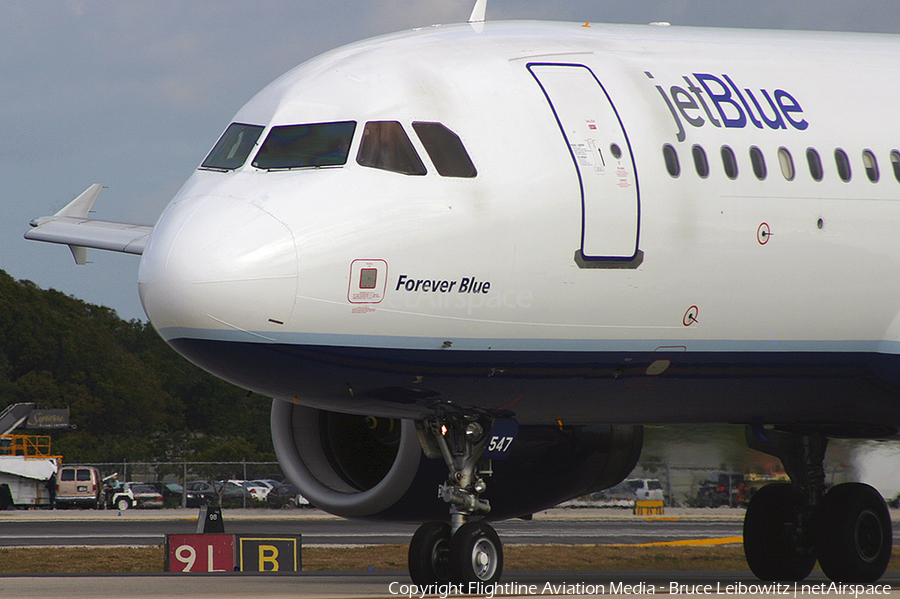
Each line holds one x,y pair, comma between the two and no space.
723,488
145,496
201,493
284,495
635,489
266,484
238,493
78,486
171,493
255,490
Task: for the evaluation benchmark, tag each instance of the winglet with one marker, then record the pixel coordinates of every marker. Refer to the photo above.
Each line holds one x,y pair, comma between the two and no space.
81,206
478,12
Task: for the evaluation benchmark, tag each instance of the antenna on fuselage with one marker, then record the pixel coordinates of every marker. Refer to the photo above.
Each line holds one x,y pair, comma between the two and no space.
477,15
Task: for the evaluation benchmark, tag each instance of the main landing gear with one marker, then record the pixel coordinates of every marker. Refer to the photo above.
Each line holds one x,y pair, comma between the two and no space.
465,550
790,525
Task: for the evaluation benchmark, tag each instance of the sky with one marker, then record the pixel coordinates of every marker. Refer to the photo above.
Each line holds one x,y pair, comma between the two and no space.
133,94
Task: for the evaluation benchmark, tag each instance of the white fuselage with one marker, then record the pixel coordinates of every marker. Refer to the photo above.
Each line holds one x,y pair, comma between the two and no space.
593,270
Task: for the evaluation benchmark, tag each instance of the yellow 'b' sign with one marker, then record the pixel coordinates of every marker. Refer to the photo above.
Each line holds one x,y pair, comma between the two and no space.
268,554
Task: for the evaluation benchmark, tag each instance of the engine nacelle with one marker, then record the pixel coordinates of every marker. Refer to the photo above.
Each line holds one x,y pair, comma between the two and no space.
357,466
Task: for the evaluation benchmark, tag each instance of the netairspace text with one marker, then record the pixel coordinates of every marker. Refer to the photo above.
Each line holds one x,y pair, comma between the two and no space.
489,591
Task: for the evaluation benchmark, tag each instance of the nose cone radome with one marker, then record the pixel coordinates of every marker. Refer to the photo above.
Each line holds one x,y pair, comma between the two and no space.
221,266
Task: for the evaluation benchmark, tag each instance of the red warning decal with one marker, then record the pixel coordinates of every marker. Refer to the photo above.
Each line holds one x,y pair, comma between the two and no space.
368,279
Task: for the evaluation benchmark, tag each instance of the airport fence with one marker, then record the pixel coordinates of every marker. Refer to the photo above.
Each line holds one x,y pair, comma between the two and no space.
685,485
184,473
698,485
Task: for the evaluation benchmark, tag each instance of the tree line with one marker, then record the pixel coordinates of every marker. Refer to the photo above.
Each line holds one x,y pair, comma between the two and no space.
130,396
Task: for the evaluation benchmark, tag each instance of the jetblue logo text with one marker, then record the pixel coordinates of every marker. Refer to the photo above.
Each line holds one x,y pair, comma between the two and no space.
717,100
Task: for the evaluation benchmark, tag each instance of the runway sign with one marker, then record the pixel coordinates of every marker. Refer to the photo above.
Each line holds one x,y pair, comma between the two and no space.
269,553
200,553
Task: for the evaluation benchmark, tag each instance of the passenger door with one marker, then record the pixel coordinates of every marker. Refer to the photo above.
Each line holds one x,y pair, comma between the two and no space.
601,153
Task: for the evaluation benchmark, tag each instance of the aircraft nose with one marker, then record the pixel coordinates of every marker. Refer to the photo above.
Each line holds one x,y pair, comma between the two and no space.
219,264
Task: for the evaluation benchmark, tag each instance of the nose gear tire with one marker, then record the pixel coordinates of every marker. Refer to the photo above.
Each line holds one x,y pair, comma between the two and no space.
476,554
429,554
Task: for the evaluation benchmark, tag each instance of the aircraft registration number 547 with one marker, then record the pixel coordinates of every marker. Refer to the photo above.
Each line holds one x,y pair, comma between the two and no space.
503,434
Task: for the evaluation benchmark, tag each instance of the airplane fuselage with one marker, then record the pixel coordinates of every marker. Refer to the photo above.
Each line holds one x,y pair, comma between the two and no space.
574,276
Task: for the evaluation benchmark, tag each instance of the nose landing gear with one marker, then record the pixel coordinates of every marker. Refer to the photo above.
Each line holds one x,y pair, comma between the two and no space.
463,551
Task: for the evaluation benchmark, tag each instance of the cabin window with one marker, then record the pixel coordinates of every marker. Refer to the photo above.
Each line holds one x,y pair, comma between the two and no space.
843,164
386,146
729,161
446,150
232,149
700,161
815,164
895,163
786,161
671,158
758,162
871,166
306,146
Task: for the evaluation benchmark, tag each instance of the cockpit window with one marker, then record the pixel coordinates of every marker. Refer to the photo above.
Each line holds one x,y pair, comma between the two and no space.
386,146
445,149
304,146
233,147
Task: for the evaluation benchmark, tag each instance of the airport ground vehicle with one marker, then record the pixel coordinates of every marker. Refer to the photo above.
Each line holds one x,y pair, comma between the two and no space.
28,468
116,495
27,471
79,486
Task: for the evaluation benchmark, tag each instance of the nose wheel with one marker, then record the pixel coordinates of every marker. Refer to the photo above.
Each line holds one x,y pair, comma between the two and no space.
476,554
429,554
473,554
467,551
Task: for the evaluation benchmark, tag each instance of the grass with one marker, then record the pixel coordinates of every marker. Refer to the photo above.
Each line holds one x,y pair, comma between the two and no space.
97,560
72,560
544,557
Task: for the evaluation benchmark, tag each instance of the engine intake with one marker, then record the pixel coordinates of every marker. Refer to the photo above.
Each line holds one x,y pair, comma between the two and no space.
342,464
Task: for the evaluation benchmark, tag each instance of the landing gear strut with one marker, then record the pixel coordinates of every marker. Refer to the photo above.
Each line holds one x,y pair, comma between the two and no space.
464,550
789,526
